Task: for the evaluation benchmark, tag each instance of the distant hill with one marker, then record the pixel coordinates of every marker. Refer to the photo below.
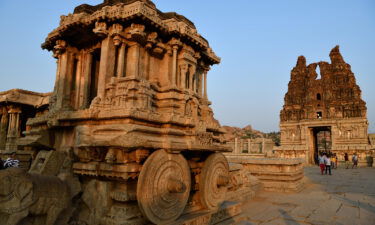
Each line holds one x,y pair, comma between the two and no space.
249,132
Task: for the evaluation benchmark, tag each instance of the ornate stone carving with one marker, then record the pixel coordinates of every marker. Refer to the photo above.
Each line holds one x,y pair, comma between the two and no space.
214,180
135,32
120,101
23,195
175,42
329,103
100,29
59,48
170,174
334,94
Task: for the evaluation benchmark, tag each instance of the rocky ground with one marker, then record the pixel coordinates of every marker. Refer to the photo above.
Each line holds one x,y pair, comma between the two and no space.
346,197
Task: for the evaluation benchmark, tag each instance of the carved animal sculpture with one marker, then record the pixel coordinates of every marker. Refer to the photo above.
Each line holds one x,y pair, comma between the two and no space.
26,195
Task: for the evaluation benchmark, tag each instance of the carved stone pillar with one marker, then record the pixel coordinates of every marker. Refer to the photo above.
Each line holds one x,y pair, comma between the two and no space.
78,88
205,84
248,145
200,84
263,143
61,83
132,68
58,50
191,78
121,61
195,83
17,130
106,69
13,129
183,71
86,80
71,72
10,125
175,44
56,87
4,128
235,146
174,65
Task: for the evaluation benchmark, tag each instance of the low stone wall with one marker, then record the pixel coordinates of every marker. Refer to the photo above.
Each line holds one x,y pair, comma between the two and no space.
275,174
365,154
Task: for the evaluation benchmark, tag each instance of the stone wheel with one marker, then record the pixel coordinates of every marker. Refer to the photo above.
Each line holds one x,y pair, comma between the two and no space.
163,187
213,182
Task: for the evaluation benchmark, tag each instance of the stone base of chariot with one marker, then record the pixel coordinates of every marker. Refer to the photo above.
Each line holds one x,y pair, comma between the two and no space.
228,213
243,187
117,205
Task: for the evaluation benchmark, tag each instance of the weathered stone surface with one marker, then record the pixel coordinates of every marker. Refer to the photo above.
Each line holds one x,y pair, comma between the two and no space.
26,195
331,103
16,106
321,202
130,116
281,175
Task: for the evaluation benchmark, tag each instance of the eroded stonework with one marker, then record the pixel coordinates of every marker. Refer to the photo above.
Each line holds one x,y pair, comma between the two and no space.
16,107
130,115
330,103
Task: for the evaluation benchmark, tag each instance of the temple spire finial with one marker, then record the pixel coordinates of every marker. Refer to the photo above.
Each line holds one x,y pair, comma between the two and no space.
336,56
301,61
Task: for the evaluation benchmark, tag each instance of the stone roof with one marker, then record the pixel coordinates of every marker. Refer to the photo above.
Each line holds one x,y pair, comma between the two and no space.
83,20
85,8
25,97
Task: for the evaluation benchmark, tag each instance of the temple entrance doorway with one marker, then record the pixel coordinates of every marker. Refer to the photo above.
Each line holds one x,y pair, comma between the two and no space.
320,142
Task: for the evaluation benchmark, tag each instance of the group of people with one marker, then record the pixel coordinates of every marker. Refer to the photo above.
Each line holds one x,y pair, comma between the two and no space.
328,161
9,162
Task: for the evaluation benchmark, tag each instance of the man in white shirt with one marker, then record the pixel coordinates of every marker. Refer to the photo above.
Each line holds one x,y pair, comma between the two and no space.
328,165
355,160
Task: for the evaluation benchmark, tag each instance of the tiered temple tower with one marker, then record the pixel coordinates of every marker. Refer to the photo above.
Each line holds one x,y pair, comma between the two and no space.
330,103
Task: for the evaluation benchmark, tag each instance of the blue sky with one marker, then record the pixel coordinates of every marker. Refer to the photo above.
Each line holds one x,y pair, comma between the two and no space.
258,41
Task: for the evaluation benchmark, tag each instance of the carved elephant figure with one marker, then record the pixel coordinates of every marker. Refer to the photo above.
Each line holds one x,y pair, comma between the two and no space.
26,195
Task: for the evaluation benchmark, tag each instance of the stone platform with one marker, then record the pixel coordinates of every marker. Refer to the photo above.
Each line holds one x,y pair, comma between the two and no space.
346,197
275,174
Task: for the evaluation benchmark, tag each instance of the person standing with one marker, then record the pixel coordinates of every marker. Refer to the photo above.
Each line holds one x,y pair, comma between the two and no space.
336,160
328,165
346,157
322,163
355,160
333,161
11,161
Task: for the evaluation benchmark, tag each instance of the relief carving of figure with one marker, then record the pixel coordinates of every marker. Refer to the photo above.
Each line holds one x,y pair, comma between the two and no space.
188,108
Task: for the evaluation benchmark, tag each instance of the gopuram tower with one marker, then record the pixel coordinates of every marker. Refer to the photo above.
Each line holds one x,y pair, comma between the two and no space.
323,114
129,126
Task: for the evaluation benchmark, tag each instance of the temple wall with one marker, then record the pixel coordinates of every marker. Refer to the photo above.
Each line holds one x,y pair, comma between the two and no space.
251,146
347,136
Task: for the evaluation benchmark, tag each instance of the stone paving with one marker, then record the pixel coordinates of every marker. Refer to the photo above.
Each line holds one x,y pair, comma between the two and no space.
346,197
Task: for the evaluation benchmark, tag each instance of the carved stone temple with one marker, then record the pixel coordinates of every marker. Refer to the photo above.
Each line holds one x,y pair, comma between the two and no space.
129,136
323,114
16,106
